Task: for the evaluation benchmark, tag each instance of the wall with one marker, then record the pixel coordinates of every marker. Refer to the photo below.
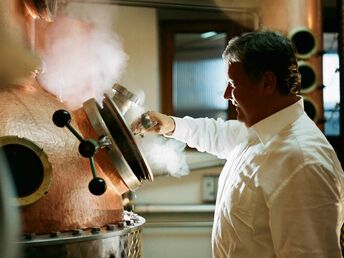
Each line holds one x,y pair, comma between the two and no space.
178,222
137,29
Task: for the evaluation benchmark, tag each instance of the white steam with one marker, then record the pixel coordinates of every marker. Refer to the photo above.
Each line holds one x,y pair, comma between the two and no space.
165,156
82,60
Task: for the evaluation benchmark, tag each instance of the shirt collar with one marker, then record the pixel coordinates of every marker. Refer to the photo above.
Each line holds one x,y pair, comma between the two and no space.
272,125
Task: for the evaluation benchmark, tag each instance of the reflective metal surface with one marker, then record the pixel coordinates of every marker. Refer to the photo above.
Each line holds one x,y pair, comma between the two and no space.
26,112
42,9
123,152
117,159
113,241
123,98
302,18
23,178
9,214
304,41
309,77
124,138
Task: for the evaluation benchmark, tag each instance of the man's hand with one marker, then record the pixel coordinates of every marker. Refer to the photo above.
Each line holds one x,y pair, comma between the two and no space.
152,121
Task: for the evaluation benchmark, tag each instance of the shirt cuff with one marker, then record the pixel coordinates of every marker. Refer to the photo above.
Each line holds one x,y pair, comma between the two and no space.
180,128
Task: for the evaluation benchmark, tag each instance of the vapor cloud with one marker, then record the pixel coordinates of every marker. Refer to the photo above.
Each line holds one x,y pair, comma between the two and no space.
81,58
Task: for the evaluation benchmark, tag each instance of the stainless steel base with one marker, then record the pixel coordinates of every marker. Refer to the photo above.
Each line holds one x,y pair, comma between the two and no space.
122,240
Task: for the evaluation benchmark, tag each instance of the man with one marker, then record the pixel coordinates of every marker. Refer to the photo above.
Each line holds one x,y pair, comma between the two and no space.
281,190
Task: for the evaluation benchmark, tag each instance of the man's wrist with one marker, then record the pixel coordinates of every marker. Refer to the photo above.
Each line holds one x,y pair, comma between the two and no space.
172,126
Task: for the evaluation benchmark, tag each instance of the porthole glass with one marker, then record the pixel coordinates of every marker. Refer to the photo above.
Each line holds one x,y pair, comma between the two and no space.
304,42
29,166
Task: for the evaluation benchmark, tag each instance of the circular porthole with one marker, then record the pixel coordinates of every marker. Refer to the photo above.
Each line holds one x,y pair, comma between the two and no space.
304,42
29,166
311,109
308,77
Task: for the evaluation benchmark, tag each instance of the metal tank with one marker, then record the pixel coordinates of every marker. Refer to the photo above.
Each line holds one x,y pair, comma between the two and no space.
59,213
301,20
69,168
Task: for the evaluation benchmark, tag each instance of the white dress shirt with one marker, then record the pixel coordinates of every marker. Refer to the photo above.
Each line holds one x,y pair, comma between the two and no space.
280,192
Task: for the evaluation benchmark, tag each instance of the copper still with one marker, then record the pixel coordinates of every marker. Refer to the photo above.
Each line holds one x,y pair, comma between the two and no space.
69,181
52,178
301,20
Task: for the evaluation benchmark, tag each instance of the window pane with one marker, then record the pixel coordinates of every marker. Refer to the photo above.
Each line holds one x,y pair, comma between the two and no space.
199,76
331,83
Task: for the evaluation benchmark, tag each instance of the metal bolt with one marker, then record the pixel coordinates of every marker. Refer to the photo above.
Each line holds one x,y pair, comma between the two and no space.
122,224
77,232
104,141
129,222
95,230
30,236
110,227
55,234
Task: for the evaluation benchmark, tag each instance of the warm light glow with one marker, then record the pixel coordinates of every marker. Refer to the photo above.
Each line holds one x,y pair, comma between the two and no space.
31,9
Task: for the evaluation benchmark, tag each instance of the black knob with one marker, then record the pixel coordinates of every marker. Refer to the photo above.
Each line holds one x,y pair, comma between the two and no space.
97,186
61,118
87,148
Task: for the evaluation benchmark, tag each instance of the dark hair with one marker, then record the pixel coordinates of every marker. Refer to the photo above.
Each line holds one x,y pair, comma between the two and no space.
262,51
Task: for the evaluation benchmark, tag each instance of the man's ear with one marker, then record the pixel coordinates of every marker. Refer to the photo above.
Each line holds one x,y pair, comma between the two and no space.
270,83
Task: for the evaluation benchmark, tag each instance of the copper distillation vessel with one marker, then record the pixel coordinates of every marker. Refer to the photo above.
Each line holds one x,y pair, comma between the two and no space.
54,182
69,181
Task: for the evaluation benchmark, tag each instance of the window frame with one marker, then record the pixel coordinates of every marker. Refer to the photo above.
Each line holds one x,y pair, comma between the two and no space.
167,29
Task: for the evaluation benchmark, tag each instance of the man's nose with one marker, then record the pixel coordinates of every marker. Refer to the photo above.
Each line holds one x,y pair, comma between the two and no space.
228,92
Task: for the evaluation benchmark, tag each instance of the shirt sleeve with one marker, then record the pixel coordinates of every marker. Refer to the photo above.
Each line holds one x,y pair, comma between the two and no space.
305,215
217,137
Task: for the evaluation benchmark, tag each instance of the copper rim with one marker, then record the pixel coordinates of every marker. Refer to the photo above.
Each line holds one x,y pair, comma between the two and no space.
312,86
296,35
316,117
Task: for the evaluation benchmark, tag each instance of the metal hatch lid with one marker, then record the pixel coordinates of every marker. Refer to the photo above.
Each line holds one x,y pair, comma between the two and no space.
92,110
124,139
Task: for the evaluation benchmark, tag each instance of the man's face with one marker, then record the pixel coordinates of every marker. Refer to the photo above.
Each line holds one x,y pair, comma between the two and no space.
245,94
